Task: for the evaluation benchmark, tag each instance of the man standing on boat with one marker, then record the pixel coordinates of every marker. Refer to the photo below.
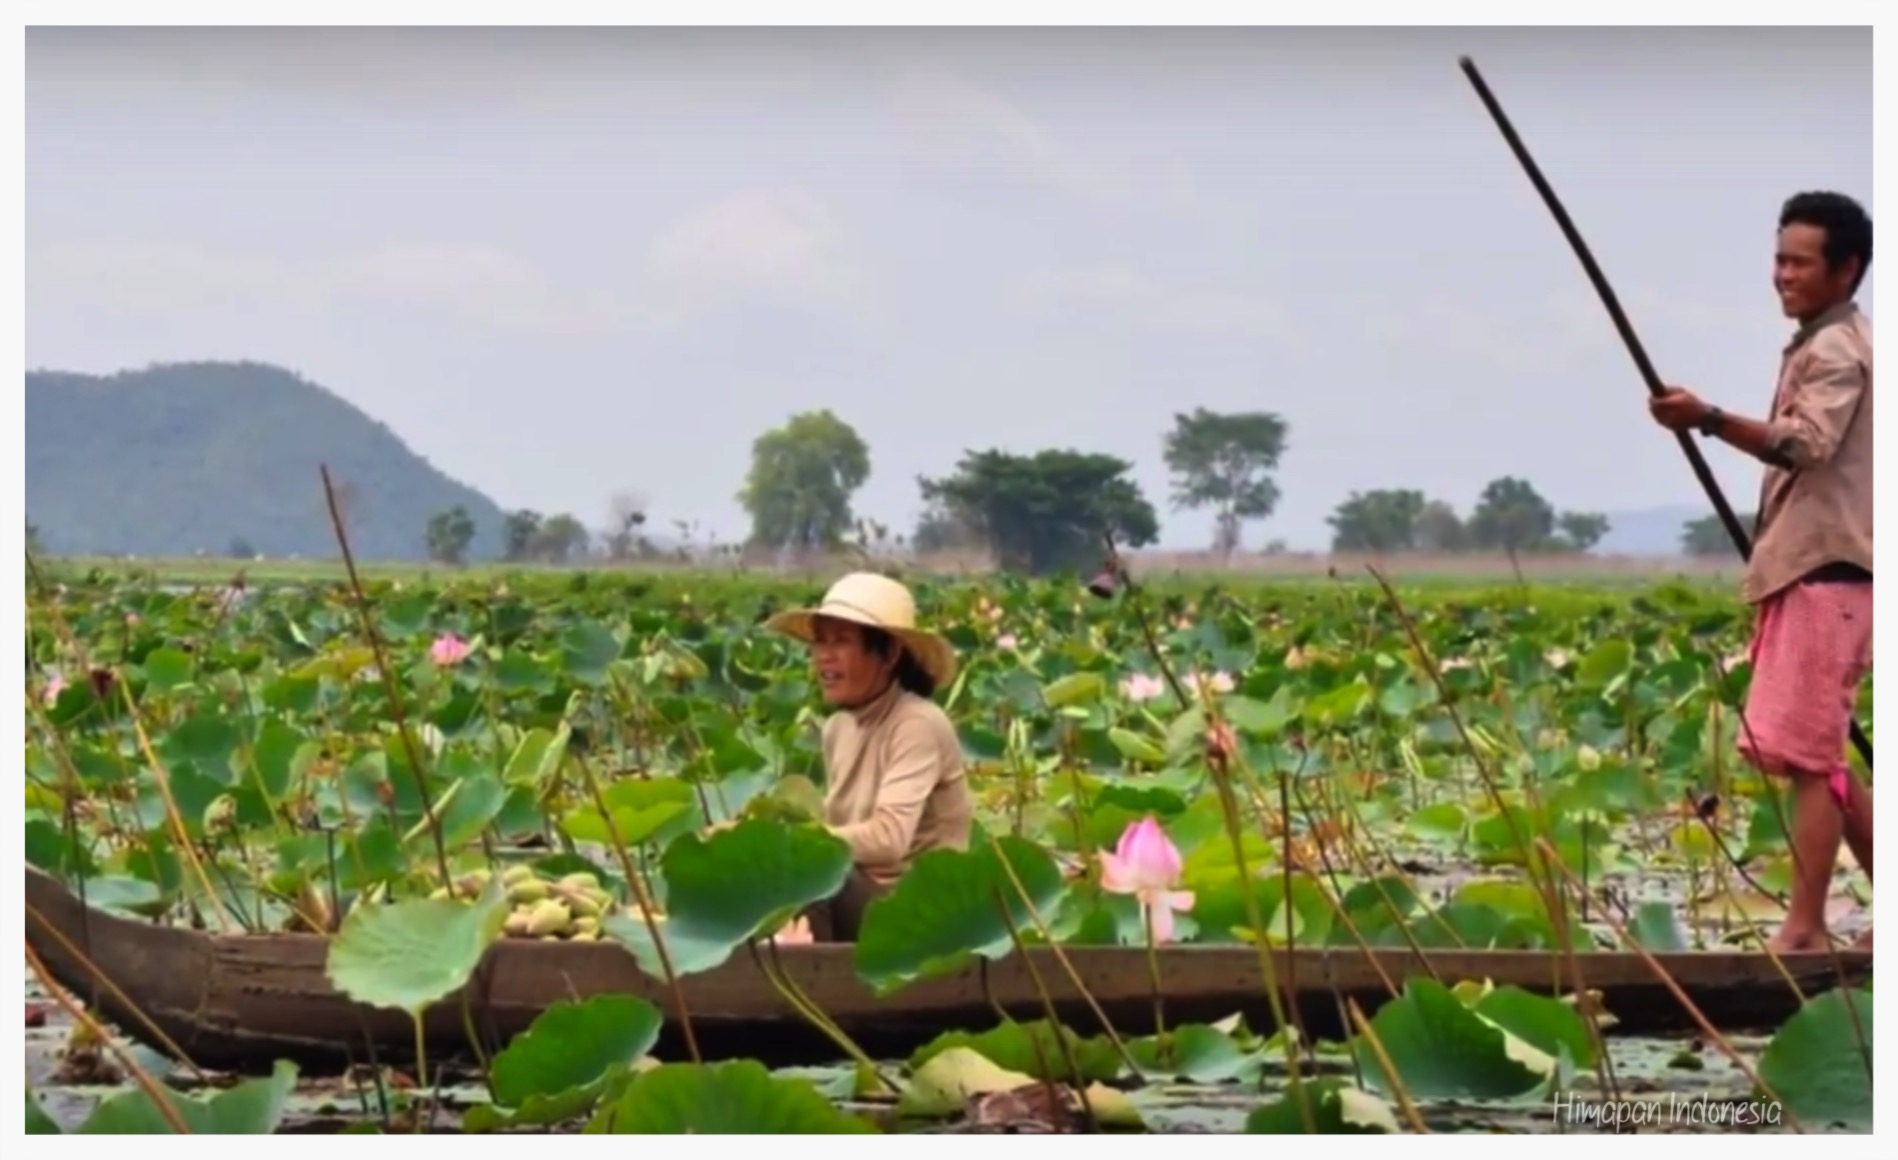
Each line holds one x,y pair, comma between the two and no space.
1810,578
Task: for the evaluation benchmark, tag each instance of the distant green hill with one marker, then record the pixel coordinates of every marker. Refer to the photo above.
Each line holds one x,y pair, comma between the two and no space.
196,457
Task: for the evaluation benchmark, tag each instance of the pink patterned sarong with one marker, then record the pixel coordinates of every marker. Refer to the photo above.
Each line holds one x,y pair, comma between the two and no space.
1812,645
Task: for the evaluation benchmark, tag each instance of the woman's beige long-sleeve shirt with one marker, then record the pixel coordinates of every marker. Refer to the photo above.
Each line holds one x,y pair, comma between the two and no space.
894,783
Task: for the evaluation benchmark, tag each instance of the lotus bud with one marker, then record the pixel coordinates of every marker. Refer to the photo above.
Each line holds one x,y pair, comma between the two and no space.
516,874
518,925
580,880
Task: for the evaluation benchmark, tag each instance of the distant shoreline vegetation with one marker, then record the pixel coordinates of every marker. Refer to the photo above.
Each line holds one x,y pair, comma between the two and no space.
218,462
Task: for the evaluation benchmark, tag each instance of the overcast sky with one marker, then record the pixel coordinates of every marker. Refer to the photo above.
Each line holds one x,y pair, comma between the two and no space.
562,264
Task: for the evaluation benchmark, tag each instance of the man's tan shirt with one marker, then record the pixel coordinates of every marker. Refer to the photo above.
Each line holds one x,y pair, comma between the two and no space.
1819,511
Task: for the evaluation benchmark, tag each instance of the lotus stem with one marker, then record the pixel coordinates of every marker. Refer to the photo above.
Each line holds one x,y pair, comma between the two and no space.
1067,964
1055,1027
397,712
781,982
637,886
1693,1012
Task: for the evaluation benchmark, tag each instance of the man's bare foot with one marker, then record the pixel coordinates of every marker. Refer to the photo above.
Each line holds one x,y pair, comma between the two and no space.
1792,942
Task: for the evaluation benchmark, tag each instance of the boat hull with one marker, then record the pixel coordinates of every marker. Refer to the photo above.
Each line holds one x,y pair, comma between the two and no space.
239,1002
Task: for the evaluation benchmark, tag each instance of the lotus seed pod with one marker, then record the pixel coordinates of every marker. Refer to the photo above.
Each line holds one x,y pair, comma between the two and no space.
1589,758
517,873
583,905
532,890
548,917
583,924
518,924
580,880
469,886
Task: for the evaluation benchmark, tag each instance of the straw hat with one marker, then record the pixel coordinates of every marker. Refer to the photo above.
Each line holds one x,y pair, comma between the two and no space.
878,602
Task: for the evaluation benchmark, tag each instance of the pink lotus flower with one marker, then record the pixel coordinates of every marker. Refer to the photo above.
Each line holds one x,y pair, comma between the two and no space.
448,649
1141,687
1007,641
1146,865
54,687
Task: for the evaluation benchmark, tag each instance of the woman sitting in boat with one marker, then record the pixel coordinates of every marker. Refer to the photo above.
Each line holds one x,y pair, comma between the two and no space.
893,778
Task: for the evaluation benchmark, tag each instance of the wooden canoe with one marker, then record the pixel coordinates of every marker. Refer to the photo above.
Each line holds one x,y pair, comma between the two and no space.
239,1002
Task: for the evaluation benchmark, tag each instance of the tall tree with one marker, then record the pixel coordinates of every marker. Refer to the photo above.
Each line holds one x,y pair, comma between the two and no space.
1047,511
519,533
1707,536
802,478
449,534
1512,516
1440,529
1583,530
1225,462
1383,520
561,538
940,530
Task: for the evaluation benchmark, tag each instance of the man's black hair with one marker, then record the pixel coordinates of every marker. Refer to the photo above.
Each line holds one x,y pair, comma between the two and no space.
1848,228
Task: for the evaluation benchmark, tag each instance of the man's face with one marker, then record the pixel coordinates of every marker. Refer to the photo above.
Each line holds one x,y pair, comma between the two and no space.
1800,276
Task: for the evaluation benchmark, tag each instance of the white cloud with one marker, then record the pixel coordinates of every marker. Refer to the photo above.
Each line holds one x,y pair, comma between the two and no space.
1133,298
778,244
161,277
951,112
781,245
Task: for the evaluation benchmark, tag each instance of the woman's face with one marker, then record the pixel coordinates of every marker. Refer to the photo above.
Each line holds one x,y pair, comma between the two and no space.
848,671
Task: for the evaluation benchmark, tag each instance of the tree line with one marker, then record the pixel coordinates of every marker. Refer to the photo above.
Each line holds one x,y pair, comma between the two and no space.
1048,510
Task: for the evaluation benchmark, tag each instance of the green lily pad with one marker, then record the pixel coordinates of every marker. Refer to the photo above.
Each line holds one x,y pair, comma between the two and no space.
1441,1049
740,884
1337,1109
1195,1053
410,954
1816,1065
252,1108
952,906
739,1098
572,1045
38,1123
1549,1025
1030,1048
1657,928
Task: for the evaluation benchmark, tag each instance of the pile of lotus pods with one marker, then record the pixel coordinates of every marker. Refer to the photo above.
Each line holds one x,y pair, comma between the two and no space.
569,907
